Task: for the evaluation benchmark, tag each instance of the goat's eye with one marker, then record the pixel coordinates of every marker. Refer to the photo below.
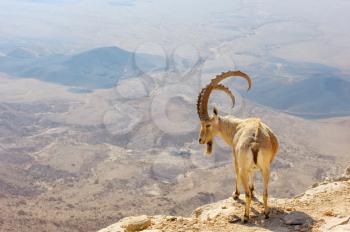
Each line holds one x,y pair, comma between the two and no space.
207,126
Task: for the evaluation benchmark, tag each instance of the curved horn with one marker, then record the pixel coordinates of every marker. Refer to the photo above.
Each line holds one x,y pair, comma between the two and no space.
199,100
216,87
227,74
203,98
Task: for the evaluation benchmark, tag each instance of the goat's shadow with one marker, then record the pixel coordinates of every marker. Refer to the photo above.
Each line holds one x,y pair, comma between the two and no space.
275,221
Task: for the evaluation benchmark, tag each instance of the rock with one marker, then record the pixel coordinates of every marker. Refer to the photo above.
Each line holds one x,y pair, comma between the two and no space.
347,171
295,218
170,218
336,224
342,228
329,213
197,212
138,223
325,188
315,185
129,224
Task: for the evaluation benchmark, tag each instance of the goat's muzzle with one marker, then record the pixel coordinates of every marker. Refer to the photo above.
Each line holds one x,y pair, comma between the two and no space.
209,147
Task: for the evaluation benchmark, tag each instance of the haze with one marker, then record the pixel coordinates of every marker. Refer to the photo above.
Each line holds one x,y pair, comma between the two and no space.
297,30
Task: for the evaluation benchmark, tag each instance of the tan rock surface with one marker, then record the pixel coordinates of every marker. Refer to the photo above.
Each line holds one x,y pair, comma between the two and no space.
325,207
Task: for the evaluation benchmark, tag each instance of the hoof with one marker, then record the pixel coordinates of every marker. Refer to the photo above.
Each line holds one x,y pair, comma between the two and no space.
235,195
267,215
245,219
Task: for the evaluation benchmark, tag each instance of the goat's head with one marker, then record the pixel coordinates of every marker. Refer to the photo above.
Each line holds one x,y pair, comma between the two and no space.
209,129
210,124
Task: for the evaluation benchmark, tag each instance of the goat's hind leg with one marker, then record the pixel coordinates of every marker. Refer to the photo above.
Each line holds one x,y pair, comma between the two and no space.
266,177
248,195
251,183
238,180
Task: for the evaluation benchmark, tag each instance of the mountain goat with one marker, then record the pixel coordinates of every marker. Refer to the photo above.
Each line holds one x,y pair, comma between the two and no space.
254,145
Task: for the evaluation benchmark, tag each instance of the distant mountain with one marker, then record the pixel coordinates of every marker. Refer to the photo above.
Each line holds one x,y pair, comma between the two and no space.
303,89
22,53
314,97
97,68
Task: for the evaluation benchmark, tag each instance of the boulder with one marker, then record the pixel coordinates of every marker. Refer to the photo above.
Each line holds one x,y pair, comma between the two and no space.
129,224
295,218
138,223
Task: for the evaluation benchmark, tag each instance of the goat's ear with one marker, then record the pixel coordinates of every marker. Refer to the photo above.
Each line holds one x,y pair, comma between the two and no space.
215,111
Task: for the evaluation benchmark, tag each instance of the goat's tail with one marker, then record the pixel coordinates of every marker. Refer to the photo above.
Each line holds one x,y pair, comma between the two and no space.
254,146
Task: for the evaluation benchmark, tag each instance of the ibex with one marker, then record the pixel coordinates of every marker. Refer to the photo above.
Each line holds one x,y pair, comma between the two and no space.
254,145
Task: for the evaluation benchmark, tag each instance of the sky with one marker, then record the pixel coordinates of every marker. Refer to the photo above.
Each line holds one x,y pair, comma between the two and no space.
313,31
